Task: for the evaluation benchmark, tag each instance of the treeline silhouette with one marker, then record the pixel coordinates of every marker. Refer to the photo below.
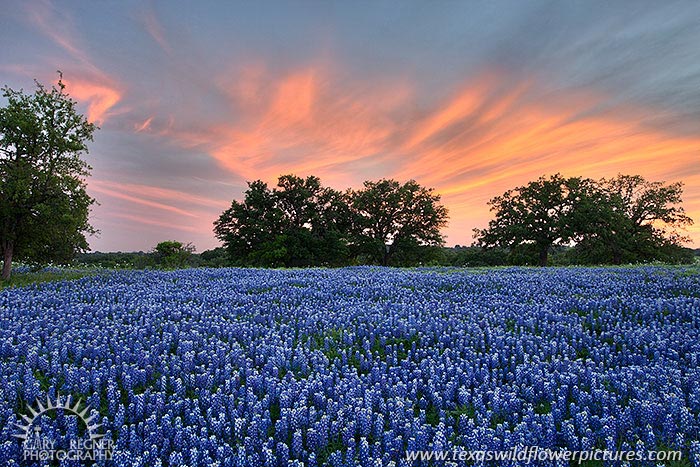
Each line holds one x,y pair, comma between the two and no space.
625,219
301,223
550,221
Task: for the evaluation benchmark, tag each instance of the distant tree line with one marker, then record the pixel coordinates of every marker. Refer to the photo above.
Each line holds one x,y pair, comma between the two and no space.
169,254
551,221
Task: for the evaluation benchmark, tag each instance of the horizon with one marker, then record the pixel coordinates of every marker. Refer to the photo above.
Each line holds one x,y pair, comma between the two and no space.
470,99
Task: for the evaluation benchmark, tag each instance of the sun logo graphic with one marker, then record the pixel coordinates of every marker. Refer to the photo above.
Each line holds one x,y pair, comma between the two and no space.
38,447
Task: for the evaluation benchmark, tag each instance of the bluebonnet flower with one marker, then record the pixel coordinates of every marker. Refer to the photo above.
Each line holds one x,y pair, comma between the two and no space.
354,366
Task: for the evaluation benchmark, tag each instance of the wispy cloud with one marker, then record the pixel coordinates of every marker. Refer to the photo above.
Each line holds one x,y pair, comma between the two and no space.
58,26
143,126
88,83
157,194
143,220
139,200
156,30
489,135
100,99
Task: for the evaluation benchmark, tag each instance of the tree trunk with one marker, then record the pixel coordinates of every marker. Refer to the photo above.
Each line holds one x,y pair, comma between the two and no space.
385,256
7,260
543,255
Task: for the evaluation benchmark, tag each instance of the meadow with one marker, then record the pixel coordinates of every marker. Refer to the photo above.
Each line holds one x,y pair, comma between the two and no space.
355,366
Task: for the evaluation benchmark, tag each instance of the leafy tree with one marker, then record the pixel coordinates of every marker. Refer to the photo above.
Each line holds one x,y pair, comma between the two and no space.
632,219
214,258
314,223
249,228
172,254
623,219
298,223
44,206
392,218
535,217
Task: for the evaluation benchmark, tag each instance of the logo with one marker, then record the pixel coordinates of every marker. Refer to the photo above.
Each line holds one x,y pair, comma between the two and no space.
38,447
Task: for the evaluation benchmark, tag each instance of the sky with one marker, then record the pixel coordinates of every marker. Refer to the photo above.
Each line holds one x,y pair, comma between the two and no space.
470,98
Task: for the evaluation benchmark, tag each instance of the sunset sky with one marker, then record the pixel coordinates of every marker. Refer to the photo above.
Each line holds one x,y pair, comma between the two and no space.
471,98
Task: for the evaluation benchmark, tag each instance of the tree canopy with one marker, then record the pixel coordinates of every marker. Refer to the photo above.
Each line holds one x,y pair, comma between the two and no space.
630,220
391,218
298,223
623,219
172,254
537,216
44,205
302,223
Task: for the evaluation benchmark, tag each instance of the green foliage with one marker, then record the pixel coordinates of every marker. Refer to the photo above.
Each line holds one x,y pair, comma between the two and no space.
215,258
44,205
298,223
301,223
432,415
141,260
622,220
171,254
392,219
468,410
474,256
115,260
632,220
335,444
535,216
543,408
36,277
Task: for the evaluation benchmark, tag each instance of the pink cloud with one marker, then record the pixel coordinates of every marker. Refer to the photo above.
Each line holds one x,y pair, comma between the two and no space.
100,98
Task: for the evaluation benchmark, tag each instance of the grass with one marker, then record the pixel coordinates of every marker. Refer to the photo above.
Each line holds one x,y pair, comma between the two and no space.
468,409
335,444
23,279
543,408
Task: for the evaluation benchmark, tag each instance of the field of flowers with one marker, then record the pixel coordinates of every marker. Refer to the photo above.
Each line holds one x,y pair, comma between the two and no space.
235,367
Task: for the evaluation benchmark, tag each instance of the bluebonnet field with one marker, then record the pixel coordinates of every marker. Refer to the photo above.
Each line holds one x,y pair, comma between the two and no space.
354,366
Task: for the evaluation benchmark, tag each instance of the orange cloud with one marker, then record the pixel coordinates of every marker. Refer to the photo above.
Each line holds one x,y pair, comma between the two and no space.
491,135
454,112
483,157
100,98
87,82
141,220
161,195
304,123
152,214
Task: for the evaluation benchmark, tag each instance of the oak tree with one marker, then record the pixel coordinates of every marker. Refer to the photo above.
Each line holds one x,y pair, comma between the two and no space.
538,215
391,218
44,205
297,223
632,220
